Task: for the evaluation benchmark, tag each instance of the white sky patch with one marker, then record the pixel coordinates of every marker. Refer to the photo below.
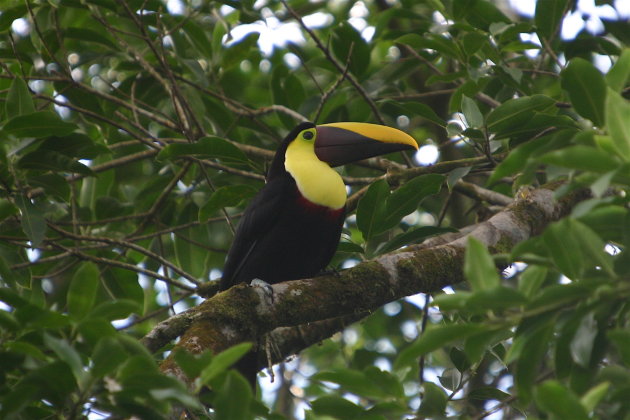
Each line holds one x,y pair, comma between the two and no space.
409,330
427,155
33,254
274,33
525,8
402,121
21,27
215,274
418,299
392,308
317,20
383,364
602,62
292,61
612,249
565,280
349,263
350,336
623,8
175,7
533,38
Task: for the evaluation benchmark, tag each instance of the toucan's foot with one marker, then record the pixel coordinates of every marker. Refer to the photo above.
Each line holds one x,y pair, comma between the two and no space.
266,287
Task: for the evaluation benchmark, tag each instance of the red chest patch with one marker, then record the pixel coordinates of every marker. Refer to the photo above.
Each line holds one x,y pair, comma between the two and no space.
319,210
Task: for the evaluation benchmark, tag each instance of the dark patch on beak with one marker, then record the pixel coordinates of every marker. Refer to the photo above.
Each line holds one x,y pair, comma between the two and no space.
339,145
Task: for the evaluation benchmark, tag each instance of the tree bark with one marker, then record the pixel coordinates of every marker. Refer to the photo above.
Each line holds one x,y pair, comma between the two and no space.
302,312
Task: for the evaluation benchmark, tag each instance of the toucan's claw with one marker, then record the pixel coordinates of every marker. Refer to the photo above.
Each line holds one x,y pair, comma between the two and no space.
265,287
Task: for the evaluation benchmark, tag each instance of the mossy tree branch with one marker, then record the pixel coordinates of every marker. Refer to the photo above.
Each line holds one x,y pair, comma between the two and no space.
246,313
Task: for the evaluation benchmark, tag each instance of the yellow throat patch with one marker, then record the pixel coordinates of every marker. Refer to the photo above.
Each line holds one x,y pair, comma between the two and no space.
316,180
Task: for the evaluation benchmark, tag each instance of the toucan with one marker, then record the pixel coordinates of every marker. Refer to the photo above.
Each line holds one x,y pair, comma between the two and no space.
291,228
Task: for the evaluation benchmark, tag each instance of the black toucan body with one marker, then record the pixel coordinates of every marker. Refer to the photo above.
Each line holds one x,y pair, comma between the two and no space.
291,228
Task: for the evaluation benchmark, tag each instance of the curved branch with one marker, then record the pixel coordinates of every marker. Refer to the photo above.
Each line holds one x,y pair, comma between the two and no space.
245,313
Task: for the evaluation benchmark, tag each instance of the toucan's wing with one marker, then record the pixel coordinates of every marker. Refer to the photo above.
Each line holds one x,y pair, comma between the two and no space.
259,218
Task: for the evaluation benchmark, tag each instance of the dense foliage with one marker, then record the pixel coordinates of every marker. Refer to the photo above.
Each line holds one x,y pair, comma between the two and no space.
133,135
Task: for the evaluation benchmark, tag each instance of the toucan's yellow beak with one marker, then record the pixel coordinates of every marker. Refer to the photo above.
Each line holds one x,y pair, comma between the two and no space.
345,142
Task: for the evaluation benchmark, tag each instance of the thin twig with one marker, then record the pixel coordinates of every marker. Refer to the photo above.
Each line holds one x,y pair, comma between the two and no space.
336,63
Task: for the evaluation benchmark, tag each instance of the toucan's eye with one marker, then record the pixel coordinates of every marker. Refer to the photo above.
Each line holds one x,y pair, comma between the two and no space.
308,135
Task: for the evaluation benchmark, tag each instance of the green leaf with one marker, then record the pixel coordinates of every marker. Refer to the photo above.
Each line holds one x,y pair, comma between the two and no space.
198,37
548,16
495,298
554,398
239,51
210,147
9,323
594,395
354,381
435,338
75,145
580,157
82,290
7,209
618,123
371,208
33,222
413,236
451,301
593,247
190,257
586,88
619,74
557,295
582,343
192,364
107,356
226,406
431,42
38,124
26,348
525,156
54,185
479,13
621,340
459,359
479,267
228,196
405,200
516,112
487,393
530,280
433,403
349,247
412,109
336,407
68,354
223,361
49,160
533,346
10,14
564,249
19,101
116,309
574,247
350,47
474,117
88,35
389,383
455,175
450,379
